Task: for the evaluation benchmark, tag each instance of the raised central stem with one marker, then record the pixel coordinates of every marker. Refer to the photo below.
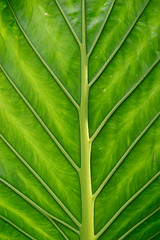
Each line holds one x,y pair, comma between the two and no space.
87,227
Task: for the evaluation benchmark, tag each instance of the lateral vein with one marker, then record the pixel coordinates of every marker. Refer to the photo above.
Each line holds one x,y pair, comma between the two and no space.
154,235
58,228
68,23
36,115
125,155
138,224
123,99
18,228
116,215
43,61
101,29
118,46
39,209
47,215
66,210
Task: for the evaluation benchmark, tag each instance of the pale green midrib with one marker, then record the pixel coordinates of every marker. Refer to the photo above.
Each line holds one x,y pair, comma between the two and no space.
139,223
68,23
87,227
47,215
17,228
100,188
65,209
95,134
116,215
118,46
101,29
154,235
67,93
43,124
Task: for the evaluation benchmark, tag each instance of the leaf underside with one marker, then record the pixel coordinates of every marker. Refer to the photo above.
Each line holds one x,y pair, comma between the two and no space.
40,134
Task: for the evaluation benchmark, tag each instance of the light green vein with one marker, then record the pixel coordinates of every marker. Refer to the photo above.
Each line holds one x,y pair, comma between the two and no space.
68,23
156,234
101,29
41,181
41,122
138,224
43,61
58,228
118,46
123,99
47,215
116,215
125,155
39,209
16,227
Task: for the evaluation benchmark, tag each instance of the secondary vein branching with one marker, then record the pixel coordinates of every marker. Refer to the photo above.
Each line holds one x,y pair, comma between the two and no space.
139,223
68,23
123,99
41,181
116,215
43,61
118,47
125,155
37,116
47,215
101,29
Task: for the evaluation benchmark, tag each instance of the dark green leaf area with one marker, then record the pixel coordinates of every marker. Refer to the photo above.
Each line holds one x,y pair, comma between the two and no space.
95,18
25,182
128,18
79,119
25,216
40,90
72,9
53,44
28,139
126,126
135,59
147,229
9,232
136,216
136,173
156,237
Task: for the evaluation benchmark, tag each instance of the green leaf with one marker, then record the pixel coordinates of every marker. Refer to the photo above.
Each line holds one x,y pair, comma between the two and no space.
79,119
